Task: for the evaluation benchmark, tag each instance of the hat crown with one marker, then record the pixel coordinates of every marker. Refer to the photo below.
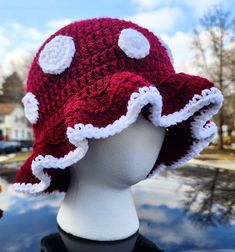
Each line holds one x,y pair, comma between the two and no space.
98,54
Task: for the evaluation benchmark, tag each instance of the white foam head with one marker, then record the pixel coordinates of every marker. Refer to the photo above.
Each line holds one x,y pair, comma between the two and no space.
98,204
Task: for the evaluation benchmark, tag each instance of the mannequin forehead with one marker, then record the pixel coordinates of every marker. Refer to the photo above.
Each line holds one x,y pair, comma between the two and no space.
125,158
141,129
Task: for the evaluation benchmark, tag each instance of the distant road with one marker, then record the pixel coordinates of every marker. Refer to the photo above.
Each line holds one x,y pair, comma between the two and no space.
224,164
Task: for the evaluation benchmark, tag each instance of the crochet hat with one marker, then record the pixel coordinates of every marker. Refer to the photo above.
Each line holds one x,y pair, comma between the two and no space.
92,79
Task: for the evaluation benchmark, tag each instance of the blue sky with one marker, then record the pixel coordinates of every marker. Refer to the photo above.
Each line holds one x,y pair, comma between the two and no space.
38,13
25,24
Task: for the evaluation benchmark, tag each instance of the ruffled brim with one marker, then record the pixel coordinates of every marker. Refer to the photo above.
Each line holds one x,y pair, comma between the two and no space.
196,115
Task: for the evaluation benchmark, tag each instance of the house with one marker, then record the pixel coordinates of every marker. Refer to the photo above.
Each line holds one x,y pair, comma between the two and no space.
13,124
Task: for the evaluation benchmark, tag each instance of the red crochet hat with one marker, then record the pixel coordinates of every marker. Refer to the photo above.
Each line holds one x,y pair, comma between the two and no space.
91,79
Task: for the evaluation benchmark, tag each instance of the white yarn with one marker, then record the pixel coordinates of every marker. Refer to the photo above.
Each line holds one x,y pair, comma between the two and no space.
146,95
168,50
208,96
133,43
57,55
40,162
31,107
137,101
203,134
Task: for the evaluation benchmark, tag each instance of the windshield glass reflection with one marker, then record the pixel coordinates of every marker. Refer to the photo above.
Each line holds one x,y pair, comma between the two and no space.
188,208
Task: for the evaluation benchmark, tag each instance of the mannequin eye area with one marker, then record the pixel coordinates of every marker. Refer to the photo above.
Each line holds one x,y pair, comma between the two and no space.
133,43
57,55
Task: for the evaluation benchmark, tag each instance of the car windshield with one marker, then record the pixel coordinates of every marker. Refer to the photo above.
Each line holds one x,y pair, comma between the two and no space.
189,209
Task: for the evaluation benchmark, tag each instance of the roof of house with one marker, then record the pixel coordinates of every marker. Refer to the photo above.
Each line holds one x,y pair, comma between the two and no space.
7,108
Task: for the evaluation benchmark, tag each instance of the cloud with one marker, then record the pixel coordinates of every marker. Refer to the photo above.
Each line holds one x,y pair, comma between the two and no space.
150,4
160,21
184,55
4,43
21,203
22,34
6,201
179,233
18,43
25,33
17,59
57,24
160,212
197,8
179,44
157,192
163,22
155,214
200,6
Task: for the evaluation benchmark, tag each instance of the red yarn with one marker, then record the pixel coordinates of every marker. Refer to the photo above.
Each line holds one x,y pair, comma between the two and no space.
96,88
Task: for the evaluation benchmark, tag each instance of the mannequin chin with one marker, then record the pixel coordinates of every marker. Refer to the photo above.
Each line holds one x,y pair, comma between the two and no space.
98,204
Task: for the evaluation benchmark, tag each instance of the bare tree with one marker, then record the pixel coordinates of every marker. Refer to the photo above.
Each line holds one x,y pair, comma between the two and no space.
214,56
210,198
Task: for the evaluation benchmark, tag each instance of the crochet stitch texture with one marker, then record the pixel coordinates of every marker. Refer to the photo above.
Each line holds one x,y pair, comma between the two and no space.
88,82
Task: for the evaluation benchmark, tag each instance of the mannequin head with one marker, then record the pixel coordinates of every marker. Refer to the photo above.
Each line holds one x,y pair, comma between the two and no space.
98,204
124,159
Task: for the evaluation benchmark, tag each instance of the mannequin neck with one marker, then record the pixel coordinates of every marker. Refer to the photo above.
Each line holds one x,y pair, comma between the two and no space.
88,195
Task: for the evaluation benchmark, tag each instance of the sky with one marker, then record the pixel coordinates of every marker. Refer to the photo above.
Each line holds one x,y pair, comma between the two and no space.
24,24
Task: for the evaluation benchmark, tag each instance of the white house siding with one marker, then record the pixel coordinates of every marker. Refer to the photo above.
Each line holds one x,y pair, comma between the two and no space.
15,125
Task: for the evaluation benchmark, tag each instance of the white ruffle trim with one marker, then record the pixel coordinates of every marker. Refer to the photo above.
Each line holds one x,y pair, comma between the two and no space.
57,55
40,163
208,96
133,43
79,134
137,101
203,134
31,107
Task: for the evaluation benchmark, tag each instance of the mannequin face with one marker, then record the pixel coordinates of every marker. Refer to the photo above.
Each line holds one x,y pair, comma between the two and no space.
123,159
